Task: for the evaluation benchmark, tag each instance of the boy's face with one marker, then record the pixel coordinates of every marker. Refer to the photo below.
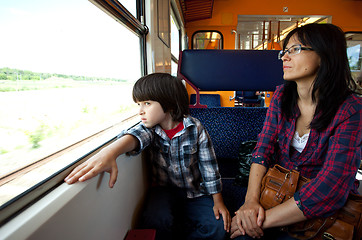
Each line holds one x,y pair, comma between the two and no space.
151,113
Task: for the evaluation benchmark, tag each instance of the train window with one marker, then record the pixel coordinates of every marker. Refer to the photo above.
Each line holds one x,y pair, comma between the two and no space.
262,32
66,72
207,40
354,53
131,6
175,42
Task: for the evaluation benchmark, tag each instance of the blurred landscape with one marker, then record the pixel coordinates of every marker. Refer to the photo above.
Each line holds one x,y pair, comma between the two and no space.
39,116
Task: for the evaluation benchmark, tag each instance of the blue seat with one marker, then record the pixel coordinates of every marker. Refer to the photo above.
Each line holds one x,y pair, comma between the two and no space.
211,100
230,70
247,97
228,127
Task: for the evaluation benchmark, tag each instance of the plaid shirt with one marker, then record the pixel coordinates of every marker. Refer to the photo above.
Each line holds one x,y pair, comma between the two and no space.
186,161
331,158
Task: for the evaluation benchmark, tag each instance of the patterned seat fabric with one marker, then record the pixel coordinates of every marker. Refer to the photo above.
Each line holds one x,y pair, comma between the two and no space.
229,127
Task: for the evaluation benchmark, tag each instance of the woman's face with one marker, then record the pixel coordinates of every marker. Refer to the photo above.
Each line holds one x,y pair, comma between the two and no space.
300,67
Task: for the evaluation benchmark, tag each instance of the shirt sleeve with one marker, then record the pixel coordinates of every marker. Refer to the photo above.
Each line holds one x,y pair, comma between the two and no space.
207,163
329,190
142,133
268,137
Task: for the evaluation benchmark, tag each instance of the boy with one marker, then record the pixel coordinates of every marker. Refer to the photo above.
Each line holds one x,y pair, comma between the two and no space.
185,199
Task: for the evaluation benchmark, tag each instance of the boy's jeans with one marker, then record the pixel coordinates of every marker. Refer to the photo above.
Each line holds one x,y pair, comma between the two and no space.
174,216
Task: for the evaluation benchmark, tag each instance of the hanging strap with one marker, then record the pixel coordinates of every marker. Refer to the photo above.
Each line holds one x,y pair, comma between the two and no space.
288,187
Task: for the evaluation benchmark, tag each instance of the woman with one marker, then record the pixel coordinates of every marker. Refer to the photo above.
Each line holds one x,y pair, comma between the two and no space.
313,125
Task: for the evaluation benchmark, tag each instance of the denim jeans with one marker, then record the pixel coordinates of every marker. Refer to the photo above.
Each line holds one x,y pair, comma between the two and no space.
269,234
176,217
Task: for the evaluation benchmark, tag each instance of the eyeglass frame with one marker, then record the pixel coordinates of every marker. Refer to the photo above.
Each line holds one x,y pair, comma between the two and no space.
283,52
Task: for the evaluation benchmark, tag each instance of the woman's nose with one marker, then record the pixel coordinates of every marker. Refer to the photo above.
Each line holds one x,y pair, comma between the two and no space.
285,56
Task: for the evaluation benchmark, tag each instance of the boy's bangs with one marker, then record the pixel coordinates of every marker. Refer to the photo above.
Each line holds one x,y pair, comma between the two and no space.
143,92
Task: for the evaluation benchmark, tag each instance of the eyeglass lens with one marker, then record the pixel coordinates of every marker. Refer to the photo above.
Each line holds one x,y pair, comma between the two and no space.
291,51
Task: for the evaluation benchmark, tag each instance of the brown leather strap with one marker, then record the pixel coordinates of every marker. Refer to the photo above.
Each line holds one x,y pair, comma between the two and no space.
294,178
288,187
345,224
311,228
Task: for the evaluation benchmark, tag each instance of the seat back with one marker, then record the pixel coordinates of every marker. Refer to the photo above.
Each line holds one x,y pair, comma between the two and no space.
228,127
211,100
230,70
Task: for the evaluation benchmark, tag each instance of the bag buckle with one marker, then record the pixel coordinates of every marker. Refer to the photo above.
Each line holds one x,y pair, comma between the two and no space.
286,175
327,236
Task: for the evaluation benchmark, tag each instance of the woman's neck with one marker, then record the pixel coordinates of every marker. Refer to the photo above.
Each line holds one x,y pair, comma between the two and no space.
306,107
305,93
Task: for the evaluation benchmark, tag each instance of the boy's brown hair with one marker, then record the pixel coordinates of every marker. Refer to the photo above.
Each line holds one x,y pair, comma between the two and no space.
166,90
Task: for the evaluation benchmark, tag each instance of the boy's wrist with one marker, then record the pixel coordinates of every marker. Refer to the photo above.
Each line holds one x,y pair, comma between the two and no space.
109,152
217,197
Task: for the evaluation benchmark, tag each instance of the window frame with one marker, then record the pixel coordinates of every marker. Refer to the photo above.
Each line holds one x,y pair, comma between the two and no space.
114,9
178,25
346,35
201,31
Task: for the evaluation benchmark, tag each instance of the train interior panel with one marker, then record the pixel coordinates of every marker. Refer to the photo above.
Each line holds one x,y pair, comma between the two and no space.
66,77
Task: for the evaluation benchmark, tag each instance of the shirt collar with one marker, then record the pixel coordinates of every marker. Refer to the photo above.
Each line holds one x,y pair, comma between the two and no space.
187,121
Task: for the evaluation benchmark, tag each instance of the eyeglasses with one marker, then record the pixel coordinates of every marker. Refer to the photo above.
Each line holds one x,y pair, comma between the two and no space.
293,50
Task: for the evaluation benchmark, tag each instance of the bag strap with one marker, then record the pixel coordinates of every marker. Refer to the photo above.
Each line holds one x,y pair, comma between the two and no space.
309,229
288,187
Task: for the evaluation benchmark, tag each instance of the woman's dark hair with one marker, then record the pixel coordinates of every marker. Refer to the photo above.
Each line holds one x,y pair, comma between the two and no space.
333,82
165,89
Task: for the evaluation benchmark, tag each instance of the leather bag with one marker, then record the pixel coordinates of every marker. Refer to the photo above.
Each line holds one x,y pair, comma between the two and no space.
279,184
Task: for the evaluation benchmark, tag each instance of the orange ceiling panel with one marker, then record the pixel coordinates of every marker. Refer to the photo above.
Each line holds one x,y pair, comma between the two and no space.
196,9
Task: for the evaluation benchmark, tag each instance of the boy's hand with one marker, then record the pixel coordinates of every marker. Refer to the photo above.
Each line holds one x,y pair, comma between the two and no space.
104,161
100,162
220,208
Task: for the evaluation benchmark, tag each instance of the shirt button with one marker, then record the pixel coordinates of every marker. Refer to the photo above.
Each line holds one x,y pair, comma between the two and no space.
296,168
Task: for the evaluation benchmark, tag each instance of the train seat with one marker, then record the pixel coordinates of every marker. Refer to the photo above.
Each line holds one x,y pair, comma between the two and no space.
247,97
230,70
210,100
229,127
141,234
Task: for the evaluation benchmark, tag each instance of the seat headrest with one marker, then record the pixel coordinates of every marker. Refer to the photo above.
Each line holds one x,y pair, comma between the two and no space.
231,70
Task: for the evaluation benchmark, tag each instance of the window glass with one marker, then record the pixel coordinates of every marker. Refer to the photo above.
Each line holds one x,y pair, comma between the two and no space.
66,72
175,43
175,38
207,40
174,67
354,53
354,56
131,6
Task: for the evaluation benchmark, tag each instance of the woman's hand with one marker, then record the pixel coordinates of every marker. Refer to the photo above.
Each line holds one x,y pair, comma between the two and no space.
249,220
101,162
235,231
